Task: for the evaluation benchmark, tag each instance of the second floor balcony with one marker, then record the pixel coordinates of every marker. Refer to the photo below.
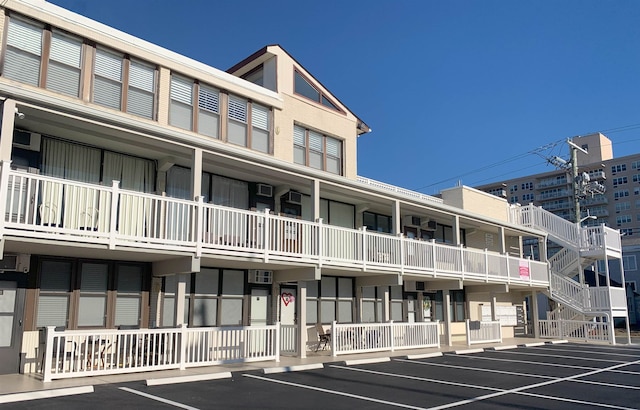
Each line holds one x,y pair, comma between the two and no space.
79,214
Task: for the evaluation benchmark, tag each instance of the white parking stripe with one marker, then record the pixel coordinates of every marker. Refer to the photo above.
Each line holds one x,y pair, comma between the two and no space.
543,364
160,399
583,351
619,386
338,393
541,384
558,356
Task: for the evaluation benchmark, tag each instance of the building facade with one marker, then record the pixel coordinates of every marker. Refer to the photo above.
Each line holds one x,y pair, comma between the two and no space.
617,207
147,190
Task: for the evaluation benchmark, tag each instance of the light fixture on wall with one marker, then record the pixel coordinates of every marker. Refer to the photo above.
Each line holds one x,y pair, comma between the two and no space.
19,114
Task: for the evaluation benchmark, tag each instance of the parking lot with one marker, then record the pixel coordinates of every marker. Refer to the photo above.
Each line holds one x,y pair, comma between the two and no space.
557,376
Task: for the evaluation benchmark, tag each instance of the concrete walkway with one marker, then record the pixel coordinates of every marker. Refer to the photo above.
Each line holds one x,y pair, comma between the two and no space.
21,383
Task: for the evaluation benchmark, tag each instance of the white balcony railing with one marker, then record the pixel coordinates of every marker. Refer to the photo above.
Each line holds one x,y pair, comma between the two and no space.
43,207
483,332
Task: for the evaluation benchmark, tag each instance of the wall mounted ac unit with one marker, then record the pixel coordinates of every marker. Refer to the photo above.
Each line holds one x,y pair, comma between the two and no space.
264,277
26,140
429,226
410,220
265,190
15,263
294,197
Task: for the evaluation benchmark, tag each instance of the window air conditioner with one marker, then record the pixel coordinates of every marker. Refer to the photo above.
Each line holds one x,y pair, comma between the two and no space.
294,197
429,226
265,190
410,220
264,277
26,140
15,263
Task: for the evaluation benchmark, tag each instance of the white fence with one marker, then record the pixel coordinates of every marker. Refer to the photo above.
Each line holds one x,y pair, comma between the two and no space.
483,332
588,331
77,353
43,207
375,337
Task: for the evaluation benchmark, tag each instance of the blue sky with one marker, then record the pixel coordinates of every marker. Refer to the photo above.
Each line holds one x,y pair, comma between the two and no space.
454,91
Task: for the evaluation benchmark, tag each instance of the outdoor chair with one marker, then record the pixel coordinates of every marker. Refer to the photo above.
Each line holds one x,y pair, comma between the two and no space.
324,337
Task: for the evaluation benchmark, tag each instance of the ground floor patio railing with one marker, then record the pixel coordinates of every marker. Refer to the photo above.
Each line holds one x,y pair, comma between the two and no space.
483,332
376,337
582,330
77,353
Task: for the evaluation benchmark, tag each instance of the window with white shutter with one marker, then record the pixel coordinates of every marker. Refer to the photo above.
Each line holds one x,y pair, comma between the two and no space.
65,62
209,111
260,128
93,294
140,96
181,109
316,150
23,52
107,82
129,295
237,124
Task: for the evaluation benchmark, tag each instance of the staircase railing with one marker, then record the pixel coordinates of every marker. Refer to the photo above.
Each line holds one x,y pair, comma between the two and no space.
564,262
559,229
569,292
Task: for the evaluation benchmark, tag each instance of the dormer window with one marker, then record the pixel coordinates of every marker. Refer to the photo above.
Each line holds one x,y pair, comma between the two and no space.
304,88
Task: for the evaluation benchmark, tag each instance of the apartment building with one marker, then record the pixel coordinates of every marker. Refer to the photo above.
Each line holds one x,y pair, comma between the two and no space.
617,207
145,190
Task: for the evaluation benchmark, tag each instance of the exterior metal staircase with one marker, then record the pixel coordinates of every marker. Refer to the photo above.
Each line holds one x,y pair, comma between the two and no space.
577,302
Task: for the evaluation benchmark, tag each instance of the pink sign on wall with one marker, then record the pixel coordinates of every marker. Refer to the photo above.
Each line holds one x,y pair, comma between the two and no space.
524,270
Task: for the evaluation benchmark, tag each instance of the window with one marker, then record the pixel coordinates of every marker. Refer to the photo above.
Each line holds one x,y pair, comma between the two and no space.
316,150
27,42
456,306
514,188
332,300
636,191
626,231
527,198
207,103
636,178
304,88
635,165
629,262
621,193
111,88
527,186
619,181
94,294
372,304
513,199
618,168
377,222
252,131
623,219
622,206
23,52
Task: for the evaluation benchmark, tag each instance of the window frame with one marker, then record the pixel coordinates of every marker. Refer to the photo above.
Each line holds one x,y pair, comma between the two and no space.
322,96
325,156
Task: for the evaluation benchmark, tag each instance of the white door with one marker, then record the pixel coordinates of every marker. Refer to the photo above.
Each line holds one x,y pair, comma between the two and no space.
259,307
11,303
288,319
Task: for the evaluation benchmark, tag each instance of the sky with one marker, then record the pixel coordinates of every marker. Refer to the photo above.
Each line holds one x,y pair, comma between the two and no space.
455,91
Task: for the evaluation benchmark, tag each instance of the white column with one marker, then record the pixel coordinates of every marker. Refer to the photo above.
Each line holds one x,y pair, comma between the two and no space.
181,289
502,240
6,132
396,217
456,230
446,307
534,314
386,307
196,173
494,309
315,199
301,304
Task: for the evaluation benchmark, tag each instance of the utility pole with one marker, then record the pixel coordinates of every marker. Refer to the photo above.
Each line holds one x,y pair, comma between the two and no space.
577,181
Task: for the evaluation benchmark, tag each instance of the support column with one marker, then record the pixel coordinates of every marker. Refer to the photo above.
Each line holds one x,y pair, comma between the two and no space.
315,200
494,305
196,173
6,132
301,306
181,288
396,218
446,307
456,230
386,305
502,240
534,314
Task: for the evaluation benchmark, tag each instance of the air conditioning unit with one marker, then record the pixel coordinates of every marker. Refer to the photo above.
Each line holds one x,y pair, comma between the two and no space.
26,140
429,226
15,263
264,277
265,190
413,286
410,220
294,197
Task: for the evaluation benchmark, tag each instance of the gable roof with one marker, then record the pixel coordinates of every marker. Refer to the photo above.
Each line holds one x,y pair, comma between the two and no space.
263,54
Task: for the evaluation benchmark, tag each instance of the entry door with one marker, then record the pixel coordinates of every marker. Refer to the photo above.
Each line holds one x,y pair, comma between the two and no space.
259,307
287,306
411,307
11,305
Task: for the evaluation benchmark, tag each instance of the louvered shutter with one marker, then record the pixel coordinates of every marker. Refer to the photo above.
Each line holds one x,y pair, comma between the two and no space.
260,125
93,294
334,155
64,65
315,150
208,113
128,296
107,87
237,129
141,86
299,145
22,56
181,113
52,310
